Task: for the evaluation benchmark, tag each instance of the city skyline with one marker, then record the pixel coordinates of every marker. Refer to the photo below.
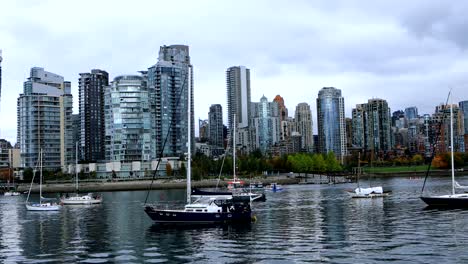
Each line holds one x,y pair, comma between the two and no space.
395,49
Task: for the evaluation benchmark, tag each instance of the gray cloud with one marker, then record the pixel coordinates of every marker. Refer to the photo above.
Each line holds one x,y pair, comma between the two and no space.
406,52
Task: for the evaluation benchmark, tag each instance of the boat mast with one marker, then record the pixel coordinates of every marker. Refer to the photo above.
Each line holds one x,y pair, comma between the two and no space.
234,147
76,167
359,170
189,127
40,176
451,149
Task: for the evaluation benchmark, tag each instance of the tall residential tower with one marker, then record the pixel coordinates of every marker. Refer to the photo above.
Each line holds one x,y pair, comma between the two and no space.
168,83
45,120
91,114
238,101
331,122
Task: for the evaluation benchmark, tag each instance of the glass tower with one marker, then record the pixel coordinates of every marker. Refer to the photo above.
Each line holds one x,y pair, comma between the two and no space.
266,124
331,122
44,112
128,119
168,83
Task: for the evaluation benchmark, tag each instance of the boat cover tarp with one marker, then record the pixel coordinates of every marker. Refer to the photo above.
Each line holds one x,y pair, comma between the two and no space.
366,191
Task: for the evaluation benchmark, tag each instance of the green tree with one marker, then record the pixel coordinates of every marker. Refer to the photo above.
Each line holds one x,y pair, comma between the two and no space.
332,165
417,159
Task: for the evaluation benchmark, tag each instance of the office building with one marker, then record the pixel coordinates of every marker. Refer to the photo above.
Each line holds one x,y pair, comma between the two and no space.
411,113
464,111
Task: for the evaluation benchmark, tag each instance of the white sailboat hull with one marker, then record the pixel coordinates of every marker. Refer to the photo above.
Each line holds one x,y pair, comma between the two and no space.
80,200
43,207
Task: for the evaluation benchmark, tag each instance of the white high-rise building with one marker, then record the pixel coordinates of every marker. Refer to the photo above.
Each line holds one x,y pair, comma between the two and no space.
238,100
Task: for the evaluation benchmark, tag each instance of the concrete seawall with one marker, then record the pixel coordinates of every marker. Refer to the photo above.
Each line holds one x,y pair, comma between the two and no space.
139,185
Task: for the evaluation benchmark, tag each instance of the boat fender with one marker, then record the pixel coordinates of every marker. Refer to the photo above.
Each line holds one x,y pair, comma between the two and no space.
254,218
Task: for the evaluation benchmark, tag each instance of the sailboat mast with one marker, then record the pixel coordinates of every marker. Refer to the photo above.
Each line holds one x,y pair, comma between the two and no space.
40,176
451,149
359,170
76,166
189,133
234,147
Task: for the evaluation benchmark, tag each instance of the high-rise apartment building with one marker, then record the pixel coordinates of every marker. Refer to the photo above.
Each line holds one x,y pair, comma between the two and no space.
91,112
44,112
239,103
464,109
303,125
331,122
283,115
128,119
168,83
203,130
372,126
215,120
1,59
266,124
359,125
411,113
441,126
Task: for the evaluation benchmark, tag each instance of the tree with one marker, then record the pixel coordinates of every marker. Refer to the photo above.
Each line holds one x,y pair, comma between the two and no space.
168,169
439,162
417,159
183,170
331,163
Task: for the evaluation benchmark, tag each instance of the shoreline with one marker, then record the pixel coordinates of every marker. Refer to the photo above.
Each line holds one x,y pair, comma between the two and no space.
139,185
165,184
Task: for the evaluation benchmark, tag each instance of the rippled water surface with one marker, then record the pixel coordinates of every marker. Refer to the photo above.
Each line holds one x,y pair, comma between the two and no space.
303,223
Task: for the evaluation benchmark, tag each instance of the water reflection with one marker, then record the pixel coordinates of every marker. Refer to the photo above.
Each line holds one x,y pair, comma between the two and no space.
302,223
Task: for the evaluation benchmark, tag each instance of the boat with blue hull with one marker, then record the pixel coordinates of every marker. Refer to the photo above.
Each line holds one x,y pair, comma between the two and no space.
211,210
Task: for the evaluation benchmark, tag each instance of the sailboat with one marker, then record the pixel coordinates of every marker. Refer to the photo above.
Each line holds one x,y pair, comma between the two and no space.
44,204
371,192
205,210
76,198
452,200
11,192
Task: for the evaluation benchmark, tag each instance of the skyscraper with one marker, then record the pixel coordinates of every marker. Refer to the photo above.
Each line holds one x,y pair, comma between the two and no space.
203,130
303,123
1,58
331,122
464,109
168,83
283,115
91,112
372,126
441,122
378,125
215,119
238,101
411,113
45,120
266,124
128,119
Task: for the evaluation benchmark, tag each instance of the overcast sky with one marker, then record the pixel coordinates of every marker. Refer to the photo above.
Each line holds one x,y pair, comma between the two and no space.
407,53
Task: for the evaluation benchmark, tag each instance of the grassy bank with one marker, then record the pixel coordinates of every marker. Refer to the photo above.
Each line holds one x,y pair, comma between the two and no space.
396,169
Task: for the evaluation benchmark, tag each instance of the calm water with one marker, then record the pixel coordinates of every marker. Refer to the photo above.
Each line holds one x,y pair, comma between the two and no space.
308,223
